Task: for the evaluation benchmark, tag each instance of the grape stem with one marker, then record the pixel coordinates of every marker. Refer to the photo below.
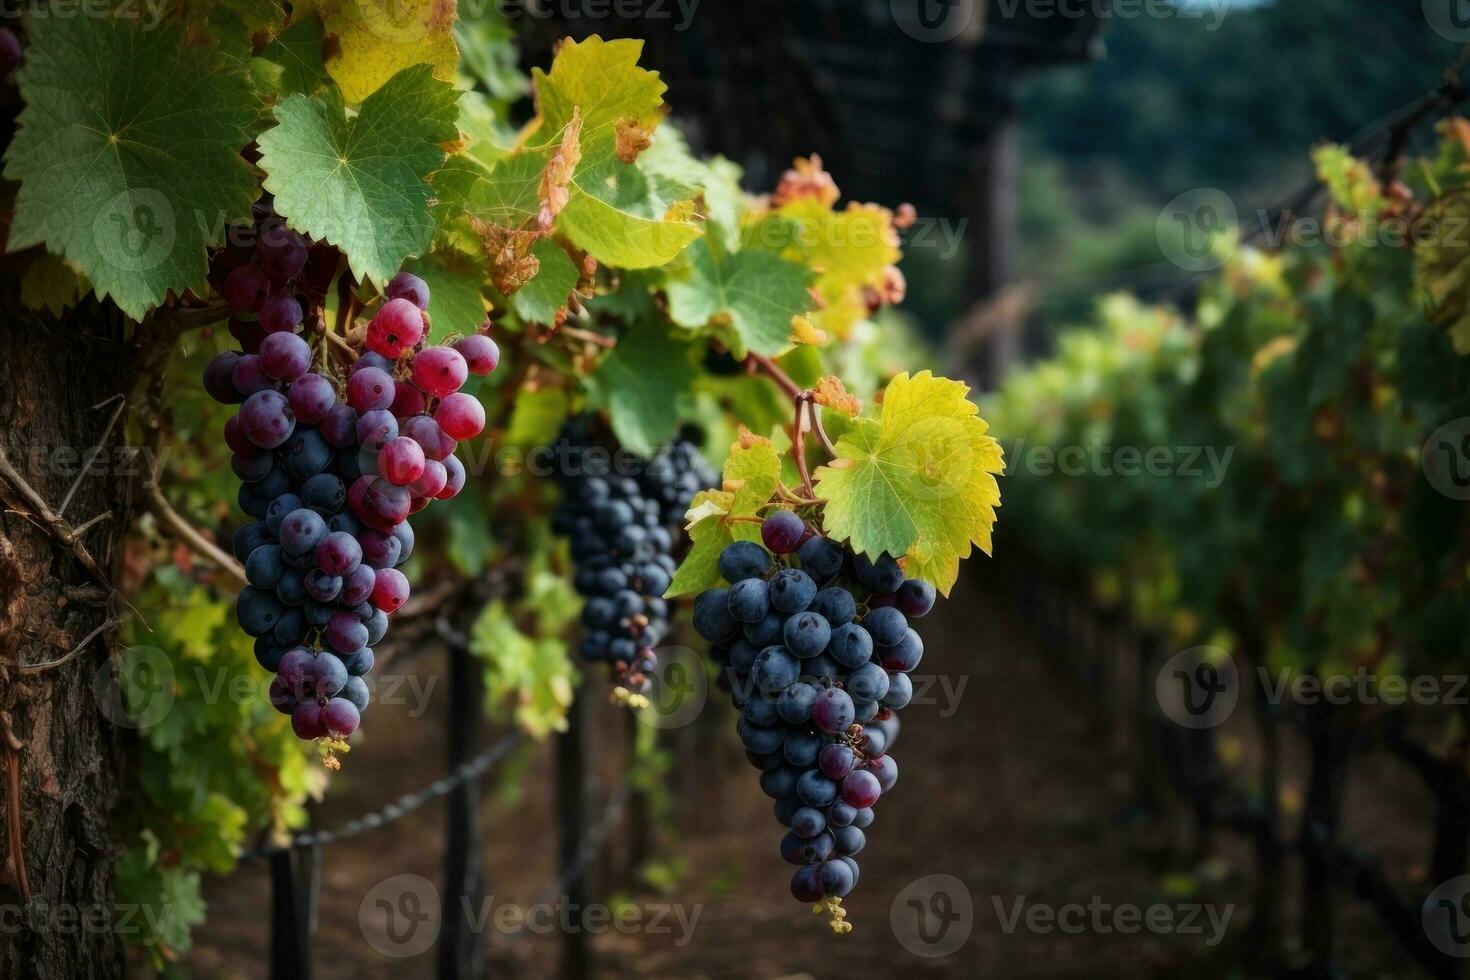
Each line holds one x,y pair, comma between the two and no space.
190,536
798,443
589,336
821,430
179,319
780,377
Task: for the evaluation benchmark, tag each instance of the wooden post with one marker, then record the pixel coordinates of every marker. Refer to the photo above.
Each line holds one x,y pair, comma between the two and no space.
991,238
571,799
459,945
293,888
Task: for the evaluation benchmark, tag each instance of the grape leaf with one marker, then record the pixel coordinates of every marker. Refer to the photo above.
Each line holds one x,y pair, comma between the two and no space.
298,50
918,481
644,384
127,154
50,284
1351,181
545,297
361,183
750,478
376,41
615,211
536,417
456,304
717,180
755,293
849,250
488,54
600,80
624,217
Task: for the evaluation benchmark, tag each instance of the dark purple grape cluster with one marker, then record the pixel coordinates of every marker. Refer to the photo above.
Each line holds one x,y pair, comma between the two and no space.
622,530
330,470
815,648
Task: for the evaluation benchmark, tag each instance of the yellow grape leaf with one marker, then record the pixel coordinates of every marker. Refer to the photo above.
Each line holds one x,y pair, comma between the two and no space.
751,475
1350,180
376,39
918,481
830,392
602,80
1442,271
850,250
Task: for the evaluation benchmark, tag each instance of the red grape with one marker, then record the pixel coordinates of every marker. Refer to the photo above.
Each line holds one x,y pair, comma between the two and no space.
461,416
398,326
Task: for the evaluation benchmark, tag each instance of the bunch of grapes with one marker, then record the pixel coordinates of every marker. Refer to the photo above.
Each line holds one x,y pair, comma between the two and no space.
815,647
331,468
622,531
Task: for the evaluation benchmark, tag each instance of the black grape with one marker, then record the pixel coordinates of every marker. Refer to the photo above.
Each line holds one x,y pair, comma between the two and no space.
814,645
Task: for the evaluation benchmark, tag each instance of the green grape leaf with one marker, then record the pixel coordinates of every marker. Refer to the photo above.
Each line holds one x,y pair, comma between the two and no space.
298,50
456,302
755,294
376,41
717,180
545,297
361,183
626,218
645,385
918,481
128,154
50,284
750,478
488,54
536,417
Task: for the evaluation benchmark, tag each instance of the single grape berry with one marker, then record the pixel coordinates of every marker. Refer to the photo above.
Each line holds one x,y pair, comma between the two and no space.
370,389
408,286
782,532
440,371
246,288
915,598
280,314
401,461
461,416
285,356
480,353
398,326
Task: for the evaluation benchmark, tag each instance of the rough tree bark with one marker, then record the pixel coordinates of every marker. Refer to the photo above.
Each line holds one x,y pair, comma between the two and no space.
69,759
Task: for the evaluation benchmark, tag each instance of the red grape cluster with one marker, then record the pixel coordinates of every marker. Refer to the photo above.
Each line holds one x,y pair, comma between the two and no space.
331,468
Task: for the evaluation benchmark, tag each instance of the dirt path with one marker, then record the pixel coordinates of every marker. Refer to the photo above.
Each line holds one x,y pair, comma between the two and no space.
1000,789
